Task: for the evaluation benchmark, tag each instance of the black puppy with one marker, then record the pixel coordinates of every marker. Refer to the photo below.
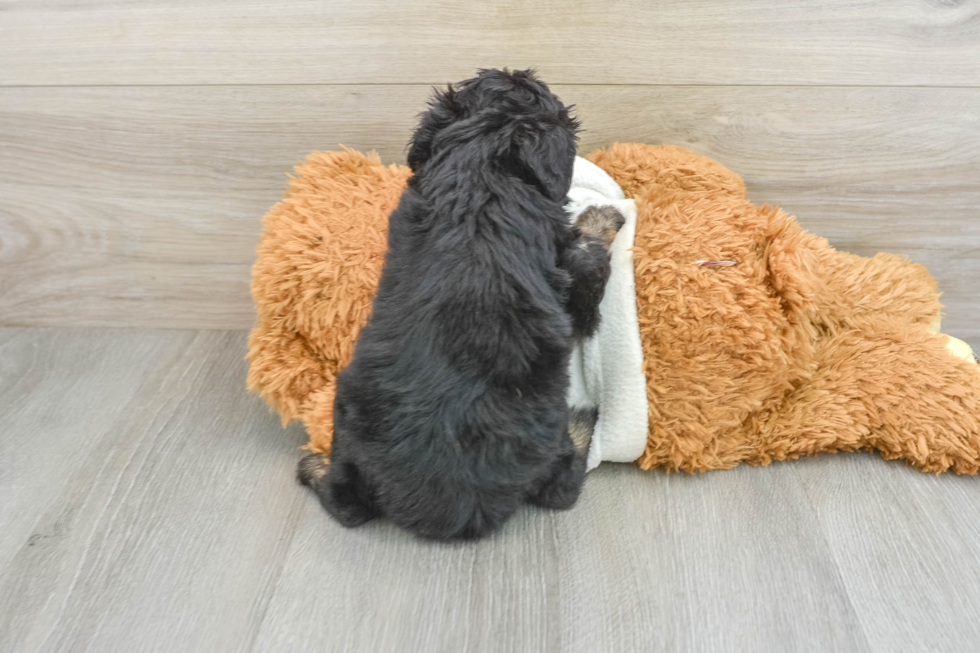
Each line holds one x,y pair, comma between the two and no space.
453,409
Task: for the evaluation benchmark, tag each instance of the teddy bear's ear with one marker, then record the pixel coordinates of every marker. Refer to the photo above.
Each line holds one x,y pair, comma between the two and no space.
791,257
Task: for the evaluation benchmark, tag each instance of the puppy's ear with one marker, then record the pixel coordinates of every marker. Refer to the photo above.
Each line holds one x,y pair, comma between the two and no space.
443,110
544,158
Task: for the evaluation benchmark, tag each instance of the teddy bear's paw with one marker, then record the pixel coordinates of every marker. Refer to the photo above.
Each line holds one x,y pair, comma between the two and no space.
960,349
601,222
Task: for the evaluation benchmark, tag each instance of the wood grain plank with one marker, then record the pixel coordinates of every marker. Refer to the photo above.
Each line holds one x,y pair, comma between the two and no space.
57,391
149,505
141,206
646,562
435,41
695,551
384,590
907,547
148,500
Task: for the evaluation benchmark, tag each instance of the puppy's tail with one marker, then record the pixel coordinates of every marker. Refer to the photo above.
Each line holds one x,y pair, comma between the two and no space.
581,426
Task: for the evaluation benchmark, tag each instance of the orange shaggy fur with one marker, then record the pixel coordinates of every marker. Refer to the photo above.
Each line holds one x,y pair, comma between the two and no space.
319,262
796,349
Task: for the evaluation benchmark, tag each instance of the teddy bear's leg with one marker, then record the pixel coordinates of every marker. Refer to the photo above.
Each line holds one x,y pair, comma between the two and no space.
888,386
562,484
960,349
931,416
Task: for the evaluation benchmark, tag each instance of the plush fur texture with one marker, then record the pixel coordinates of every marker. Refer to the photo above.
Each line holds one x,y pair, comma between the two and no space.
318,266
453,410
794,350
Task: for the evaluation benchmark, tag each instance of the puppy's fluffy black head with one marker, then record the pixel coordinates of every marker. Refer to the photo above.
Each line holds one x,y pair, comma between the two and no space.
521,126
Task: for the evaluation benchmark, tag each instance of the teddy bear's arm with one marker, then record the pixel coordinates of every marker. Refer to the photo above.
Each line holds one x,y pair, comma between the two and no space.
837,289
884,285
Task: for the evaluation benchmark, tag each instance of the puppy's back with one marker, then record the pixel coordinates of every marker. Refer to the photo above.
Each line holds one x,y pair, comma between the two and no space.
454,402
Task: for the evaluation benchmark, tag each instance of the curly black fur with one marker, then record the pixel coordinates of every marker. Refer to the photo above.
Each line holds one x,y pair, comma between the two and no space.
453,409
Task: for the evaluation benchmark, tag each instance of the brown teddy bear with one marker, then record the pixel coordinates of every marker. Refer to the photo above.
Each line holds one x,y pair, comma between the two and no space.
759,341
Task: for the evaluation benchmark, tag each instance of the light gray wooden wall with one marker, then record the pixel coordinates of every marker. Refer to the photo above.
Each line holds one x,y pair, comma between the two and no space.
140,143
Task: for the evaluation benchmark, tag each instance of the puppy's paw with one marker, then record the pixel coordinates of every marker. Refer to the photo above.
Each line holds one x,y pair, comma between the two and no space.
556,495
581,426
601,223
312,469
341,490
561,489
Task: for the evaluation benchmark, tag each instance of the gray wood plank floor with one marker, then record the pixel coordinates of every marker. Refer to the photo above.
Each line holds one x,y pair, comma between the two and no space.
147,504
